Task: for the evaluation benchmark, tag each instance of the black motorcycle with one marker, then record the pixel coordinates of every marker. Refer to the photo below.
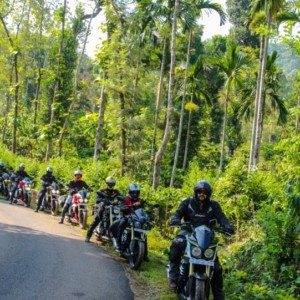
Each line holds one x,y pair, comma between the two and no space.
111,212
5,185
198,261
134,237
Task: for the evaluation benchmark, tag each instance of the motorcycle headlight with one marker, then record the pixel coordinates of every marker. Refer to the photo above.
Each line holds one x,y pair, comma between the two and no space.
81,200
209,253
86,200
116,210
196,252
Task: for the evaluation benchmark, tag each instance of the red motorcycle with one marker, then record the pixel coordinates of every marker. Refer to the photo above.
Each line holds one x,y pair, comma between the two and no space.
78,209
23,193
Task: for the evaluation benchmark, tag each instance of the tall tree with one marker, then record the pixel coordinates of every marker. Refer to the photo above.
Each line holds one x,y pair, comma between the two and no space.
197,10
170,108
231,65
268,10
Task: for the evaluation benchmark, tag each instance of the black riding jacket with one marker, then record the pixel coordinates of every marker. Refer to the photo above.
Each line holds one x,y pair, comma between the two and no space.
20,175
107,195
191,210
48,179
75,186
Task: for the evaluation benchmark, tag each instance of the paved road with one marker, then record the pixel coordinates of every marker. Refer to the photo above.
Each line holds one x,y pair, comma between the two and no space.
40,259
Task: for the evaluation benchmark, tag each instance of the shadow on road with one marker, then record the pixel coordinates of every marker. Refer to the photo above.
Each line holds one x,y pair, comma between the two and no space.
38,265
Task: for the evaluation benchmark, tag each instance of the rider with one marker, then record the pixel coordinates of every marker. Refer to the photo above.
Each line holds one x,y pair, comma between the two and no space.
134,201
2,168
19,175
47,179
73,186
106,196
198,210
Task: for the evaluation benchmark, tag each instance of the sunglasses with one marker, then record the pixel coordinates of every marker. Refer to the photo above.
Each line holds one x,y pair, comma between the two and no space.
202,191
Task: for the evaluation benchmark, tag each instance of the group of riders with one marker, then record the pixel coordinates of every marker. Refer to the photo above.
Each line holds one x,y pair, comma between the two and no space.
198,209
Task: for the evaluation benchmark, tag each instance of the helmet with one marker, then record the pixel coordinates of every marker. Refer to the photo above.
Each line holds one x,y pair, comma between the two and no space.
110,181
134,190
49,170
22,166
77,172
203,184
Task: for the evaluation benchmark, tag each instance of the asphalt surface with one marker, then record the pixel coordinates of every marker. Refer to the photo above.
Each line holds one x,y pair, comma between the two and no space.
41,259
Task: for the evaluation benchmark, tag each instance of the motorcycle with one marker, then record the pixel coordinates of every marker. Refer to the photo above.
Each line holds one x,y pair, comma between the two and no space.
198,261
23,192
50,200
5,185
134,237
78,209
110,213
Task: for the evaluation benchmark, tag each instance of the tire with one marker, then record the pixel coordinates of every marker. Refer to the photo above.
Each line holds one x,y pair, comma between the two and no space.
137,252
27,199
201,290
54,208
83,219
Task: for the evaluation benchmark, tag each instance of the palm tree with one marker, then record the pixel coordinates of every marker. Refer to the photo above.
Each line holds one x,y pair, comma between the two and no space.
272,100
195,10
271,10
231,64
170,108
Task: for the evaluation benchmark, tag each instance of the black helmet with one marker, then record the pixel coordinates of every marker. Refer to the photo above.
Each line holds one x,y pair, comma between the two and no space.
22,166
134,190
49,170
203,184
110,181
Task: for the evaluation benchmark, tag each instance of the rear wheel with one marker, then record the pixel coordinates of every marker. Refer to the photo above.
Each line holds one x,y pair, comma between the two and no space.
137,251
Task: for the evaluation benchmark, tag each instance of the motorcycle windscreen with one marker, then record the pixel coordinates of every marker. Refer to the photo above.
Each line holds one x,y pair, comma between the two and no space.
83,194
204,236
141,215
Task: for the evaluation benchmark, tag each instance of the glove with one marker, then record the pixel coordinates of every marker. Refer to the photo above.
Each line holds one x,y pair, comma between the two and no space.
174,222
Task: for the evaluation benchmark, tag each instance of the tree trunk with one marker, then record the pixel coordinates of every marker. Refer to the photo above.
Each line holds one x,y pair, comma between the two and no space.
187,64
297,125
123,134
99,132
255,117
16,110
36,98
57,83
170,108
187,141
258,134
221,166
41,65
7,107
157,107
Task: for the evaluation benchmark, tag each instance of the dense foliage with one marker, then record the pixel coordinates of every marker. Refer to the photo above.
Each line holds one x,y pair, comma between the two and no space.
160,106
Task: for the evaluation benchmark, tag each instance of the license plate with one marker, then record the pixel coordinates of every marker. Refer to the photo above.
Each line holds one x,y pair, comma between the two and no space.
204,262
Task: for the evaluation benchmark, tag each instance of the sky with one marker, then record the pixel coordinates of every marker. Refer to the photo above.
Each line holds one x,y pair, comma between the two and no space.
211,24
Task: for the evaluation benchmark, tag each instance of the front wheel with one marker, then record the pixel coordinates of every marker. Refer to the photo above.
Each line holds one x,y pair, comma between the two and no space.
54,208
201,290
83,219
137,252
